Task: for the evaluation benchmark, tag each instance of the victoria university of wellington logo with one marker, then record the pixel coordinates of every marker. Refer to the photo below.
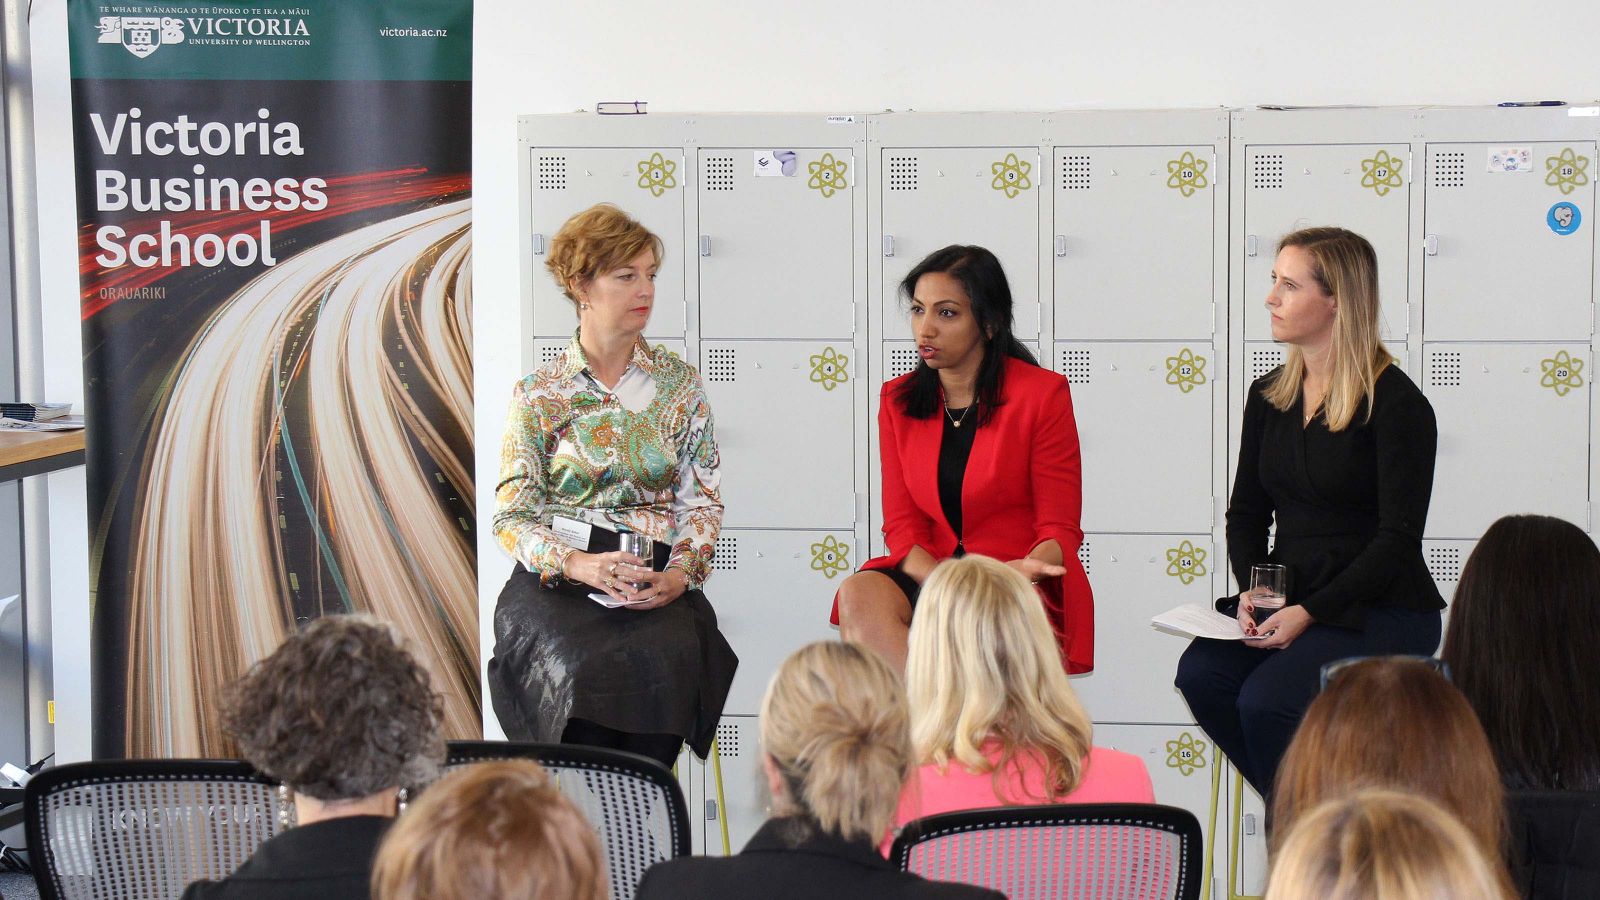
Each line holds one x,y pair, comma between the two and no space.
142,35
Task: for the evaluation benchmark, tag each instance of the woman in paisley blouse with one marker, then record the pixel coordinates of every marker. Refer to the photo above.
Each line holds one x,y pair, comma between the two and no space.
609,435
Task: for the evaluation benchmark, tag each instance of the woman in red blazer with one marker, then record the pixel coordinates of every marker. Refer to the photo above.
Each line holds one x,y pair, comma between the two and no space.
980,455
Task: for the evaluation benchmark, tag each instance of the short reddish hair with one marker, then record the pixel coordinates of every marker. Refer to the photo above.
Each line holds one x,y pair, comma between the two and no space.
599,238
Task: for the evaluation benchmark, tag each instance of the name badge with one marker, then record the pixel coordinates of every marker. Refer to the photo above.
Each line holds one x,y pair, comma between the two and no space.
572,532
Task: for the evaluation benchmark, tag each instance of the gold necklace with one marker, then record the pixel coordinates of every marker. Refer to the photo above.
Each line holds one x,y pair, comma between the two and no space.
964,413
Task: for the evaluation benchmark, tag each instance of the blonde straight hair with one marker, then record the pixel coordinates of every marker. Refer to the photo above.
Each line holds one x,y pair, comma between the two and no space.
834,720
984,666
1386,845
1346,268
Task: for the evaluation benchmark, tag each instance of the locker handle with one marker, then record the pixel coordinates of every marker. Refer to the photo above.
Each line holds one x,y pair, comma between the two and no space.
705,245
888,245
1430,244
538,245
1250,244
1061,245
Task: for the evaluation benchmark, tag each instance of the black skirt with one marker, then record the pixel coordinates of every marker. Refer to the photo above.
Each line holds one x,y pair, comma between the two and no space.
559,655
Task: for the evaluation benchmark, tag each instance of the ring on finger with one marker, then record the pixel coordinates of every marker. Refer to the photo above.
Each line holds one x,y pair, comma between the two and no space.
613,568
610,582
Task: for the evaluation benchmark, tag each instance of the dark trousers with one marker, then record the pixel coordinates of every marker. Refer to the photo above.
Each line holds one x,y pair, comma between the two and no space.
1250,700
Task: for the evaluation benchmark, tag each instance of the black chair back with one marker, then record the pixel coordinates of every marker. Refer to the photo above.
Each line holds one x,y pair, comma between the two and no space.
146,828
633,802
1555,843
1108,851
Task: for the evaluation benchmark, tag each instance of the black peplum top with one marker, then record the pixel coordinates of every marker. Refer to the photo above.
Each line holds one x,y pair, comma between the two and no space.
1349,506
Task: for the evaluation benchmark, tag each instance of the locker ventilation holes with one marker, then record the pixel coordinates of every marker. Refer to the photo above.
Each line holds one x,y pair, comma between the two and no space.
1264,361
1450,169
1267,172
719,173
1445,370
1075,173
1083,555
552,173
721,364
726,557
1444,563
901,362
902,173
728,740
1075,365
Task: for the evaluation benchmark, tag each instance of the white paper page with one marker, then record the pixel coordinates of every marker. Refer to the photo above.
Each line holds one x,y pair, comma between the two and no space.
1199,620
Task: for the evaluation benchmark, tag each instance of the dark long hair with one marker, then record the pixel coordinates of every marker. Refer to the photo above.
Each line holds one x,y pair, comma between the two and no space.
1525,619
984,280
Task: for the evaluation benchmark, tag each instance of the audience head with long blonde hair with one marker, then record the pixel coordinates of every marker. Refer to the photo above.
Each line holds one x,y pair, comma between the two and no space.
836,739
493,829
984,669
1393,722
1384,845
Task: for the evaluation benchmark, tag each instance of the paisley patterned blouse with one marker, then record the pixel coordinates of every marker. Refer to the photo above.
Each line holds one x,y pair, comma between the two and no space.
574,448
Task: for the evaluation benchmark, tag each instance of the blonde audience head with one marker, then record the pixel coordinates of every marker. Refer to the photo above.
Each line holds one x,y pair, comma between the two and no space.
493,829
1393,722
836,739
984,666
1384,845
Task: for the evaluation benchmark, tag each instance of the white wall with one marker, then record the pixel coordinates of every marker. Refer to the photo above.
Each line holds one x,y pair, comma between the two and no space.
834,55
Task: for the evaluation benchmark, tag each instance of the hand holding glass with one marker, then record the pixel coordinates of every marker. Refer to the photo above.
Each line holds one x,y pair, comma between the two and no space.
1268,588
639,545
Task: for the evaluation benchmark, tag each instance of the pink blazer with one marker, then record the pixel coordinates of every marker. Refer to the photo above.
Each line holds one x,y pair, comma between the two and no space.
1110,776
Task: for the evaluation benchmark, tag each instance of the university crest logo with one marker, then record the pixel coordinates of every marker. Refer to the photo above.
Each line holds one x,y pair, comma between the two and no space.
142,35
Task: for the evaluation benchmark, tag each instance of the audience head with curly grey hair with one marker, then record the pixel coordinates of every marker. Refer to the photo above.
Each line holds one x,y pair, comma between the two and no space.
345,717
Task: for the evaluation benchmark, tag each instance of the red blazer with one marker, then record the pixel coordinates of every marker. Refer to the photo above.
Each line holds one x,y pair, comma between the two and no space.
1023,486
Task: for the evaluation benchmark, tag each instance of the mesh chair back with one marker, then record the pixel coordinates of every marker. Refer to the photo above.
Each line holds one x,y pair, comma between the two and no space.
145,829
633,802
1105,851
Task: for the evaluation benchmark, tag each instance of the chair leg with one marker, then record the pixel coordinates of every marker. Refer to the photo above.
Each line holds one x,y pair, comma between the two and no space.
1233,849
1210,848
722,803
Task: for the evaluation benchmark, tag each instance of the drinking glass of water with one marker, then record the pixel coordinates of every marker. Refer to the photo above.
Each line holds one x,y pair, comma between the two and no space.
1268,589
639,545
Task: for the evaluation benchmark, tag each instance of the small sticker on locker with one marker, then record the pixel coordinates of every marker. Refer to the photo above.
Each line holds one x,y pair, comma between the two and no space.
1508,160
1564,218
775,163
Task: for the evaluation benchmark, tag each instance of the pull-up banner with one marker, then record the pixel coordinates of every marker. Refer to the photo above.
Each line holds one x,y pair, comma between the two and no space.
274,248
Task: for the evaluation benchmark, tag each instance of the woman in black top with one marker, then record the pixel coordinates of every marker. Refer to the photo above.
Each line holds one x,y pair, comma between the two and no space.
1337,450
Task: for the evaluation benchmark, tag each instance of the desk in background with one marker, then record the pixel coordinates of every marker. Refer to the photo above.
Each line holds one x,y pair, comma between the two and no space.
24,453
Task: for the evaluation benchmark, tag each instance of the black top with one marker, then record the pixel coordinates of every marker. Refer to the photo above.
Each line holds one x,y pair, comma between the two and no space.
1349,506
790,860
330,860
954,449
